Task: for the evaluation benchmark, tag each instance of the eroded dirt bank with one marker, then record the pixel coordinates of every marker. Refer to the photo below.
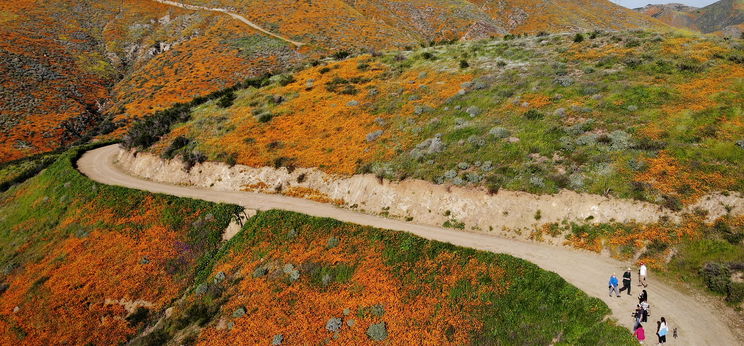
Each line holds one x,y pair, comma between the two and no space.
417,200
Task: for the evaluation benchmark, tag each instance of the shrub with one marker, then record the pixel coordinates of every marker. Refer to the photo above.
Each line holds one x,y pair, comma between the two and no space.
226,100
340,55
324,70
191,158
265,117
578,38
428,56
648,144
464,64
735,293
716,277
671,202
533,115
177,144
285,79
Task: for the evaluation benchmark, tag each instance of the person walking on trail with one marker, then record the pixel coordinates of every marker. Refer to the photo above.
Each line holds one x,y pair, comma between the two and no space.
640,334
643,297
642,272
662,331
626,281
644,311
613,285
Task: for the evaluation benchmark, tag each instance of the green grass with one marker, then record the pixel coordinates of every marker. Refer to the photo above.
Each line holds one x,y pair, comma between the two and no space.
15,172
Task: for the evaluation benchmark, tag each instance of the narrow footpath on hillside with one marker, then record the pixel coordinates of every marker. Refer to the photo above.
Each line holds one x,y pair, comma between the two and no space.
231,14
697,323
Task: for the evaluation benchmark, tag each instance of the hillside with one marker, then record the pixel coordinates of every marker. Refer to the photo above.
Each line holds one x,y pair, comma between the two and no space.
634,115
725,16
80,267
87,68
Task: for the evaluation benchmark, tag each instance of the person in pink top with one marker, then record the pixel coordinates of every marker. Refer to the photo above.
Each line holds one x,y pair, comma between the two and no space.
640,334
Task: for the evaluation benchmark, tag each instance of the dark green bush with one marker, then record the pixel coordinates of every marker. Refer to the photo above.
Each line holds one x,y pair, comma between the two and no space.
716,276
177,144
226,100
340,55
533,115
735,293
578,38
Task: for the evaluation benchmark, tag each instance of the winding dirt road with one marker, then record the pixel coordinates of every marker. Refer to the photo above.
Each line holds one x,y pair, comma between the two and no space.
231,14
697,323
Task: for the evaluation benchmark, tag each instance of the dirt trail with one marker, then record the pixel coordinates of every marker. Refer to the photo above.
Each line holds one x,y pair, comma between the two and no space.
697,322
231,14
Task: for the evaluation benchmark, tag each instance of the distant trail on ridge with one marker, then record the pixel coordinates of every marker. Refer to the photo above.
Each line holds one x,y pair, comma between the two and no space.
231,14
698,322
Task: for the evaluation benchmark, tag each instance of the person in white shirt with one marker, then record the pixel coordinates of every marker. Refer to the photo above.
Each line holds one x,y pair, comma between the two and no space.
642,272
662,331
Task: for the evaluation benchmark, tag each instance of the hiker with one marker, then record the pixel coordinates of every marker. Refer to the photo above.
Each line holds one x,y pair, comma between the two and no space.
640,334
662,330
626,281
642,272
643,306
643,297
613,285
637,316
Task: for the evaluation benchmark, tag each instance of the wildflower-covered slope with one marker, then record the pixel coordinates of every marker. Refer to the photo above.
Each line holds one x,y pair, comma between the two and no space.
76,69
301,279
631,114
80,260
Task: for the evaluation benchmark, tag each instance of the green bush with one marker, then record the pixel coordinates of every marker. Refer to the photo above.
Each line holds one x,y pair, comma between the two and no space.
226,100
177,144
533,115
578,38
735,293
716,276
340,55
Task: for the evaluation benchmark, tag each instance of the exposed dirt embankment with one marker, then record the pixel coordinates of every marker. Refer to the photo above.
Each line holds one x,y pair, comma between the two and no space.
416,200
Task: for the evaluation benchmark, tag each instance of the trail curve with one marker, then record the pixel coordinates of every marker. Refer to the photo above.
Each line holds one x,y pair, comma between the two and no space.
698,324
231,14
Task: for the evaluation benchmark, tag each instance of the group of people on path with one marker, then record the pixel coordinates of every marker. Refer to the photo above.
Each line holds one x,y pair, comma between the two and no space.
641,313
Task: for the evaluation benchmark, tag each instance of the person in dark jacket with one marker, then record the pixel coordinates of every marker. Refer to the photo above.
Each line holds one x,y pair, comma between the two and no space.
643,297
626,281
